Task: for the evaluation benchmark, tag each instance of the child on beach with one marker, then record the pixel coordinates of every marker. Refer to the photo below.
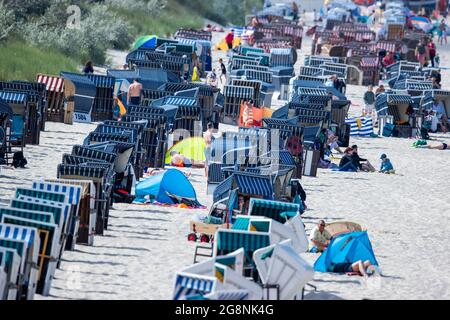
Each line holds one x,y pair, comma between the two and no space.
386,165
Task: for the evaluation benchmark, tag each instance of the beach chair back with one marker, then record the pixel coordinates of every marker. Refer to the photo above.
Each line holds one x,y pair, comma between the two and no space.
25,241
10,262
49,235
187,284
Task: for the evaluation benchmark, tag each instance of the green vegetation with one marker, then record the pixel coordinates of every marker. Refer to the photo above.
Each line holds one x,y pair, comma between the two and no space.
35,35
172,17
22,61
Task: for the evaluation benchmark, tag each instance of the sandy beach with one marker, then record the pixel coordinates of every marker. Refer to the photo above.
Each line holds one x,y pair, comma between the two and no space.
407,216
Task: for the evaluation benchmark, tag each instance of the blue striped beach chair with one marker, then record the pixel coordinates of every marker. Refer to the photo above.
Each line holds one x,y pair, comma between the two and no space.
101,176
10,262
228,241
48,250
25,241
73,196
187,284
272,209
86,209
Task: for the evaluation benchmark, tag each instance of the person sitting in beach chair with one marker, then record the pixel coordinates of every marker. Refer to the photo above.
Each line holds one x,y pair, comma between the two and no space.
359,268
386,165
346,163
319,238
333,141
360,163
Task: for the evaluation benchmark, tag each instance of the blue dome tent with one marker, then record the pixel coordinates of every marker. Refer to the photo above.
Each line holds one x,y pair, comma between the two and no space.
169,187
346,248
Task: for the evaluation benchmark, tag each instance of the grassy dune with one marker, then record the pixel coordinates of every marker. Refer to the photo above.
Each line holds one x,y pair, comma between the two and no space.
19,60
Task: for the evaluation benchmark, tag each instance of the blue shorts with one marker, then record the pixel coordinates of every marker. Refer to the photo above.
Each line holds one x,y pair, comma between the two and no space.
135,101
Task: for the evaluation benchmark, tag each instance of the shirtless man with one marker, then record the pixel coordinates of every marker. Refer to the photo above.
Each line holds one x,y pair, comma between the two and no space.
134,93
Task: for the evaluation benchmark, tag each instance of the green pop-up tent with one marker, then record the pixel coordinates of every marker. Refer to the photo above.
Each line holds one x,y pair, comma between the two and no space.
145,42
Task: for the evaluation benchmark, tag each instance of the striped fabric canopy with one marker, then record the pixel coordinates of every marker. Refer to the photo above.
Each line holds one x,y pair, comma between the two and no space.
14,232
73,192
53,83
57,212
24,213
64,206
271,209
254,184
362,126
241,223
180,101
53,196
231,240
369,62
102,81
399,99
13,97
189,284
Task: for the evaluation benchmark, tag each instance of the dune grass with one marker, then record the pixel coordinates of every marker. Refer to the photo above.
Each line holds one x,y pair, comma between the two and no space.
19,60
166,23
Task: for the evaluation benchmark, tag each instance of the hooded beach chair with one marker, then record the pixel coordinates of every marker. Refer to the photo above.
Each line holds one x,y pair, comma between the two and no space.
49,234
25,241
86,209
101,175
10,263
227,241
187,284
280,267
73,196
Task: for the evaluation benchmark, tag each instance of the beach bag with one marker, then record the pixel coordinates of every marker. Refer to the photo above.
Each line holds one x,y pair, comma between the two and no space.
19,160
388,129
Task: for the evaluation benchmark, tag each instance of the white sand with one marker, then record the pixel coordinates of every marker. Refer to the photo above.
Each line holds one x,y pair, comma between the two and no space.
407,217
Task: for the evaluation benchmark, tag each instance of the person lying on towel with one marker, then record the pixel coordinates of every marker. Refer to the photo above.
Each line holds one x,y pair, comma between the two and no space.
178,160
356,268
319,238
386,165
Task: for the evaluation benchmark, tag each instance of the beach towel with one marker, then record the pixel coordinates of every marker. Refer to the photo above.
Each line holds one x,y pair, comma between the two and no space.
361,126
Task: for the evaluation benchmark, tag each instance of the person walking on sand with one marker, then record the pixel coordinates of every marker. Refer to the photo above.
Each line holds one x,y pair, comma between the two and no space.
134,93
369,101
229,38
223,71
442,32
208,137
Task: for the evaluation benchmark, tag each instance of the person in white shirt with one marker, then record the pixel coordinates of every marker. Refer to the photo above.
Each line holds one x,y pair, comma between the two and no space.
319,238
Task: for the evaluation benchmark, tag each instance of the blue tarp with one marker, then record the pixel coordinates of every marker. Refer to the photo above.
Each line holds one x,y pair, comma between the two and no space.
346,248
159,186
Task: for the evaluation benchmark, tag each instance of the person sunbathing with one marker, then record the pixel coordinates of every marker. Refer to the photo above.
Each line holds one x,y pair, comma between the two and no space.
441,146
179,160
386,165
320,238
359,267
